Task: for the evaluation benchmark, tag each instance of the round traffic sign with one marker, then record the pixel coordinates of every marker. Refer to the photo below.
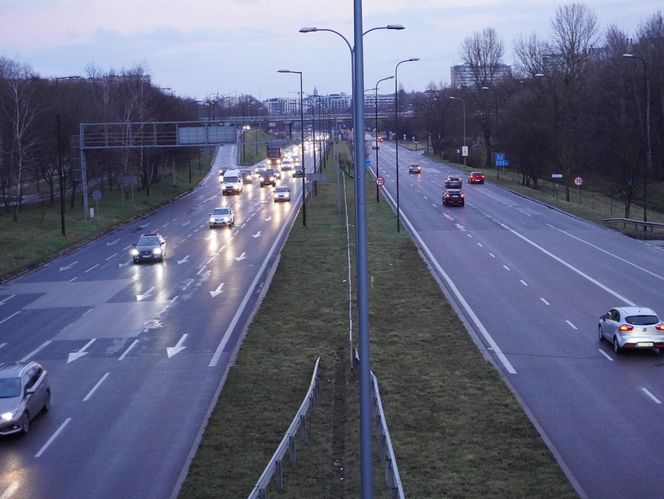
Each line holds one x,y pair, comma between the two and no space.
380,180
578,181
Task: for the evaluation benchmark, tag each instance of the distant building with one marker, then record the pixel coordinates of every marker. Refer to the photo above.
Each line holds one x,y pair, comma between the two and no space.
463,76
282,105
384,101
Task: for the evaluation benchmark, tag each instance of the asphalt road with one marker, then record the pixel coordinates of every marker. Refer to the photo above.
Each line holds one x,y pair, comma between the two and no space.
136,353
531,283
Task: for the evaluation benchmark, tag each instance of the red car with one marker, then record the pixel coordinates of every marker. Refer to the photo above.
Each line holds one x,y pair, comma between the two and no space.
476,178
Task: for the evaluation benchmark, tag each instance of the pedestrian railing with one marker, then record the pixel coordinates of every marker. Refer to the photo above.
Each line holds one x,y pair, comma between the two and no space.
274,468
387,456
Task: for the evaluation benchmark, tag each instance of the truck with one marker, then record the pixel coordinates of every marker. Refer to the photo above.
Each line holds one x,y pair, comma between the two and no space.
274,155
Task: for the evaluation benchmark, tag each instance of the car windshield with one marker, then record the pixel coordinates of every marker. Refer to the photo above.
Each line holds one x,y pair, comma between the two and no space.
230,179
148,241
221,211
282,189
10,388
642,320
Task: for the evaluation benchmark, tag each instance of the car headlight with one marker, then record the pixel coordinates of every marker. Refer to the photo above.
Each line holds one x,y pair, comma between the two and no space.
134,252
261,178
156,251
211,220
7,416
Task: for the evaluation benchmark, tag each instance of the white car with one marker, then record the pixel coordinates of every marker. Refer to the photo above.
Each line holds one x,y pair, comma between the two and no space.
281,193
631,328
224,217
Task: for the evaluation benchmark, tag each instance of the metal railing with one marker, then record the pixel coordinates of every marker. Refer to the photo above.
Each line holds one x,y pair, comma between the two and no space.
275,465
637,223
387,456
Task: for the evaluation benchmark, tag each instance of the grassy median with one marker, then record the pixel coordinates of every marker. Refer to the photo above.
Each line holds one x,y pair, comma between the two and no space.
457,429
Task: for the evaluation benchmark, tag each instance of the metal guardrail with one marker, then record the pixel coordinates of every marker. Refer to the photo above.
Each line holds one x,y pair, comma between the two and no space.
274,466
387,456
637,223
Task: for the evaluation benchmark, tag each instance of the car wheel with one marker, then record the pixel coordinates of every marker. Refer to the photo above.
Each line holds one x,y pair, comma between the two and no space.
463,204
25,423
617,349
135,261
47,401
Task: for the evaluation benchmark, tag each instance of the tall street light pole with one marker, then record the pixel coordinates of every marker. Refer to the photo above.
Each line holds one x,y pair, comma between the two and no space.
495,158
396,127
646,93
376,131
463,103
357,64
304,197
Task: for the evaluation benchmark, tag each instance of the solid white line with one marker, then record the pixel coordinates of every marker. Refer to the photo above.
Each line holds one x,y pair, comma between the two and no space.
2,302
36,350
13,487
492,255
92,268
112,256
240,309
53,437
544,301
73,279
655,399
94,388
127,350
572,325
7,318
523,282
608,253
506,267
605,354
570,266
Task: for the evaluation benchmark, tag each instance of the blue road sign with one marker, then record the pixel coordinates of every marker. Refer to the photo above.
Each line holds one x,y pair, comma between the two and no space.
501,160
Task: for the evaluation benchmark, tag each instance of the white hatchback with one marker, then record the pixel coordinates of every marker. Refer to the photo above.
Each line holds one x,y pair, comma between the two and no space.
281,193
631,328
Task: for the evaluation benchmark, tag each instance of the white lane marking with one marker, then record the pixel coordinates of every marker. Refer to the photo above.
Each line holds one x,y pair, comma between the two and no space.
224,340
73,279
127,247
111,243
92,268
572,325
506,267
94,388
449,217
608,253
460,227
53,437
544,301
647,392
128,350
605,354
13,487
425,197
570,266
492,255
480,245
523,282
3,345
434,205
470,236
9,317
2,302
112,256
36,350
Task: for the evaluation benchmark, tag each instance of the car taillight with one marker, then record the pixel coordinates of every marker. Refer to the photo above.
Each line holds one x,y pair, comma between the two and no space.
659,327
625,327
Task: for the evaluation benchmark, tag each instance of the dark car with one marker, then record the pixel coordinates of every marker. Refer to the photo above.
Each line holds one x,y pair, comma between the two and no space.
453,183
247,175
267,177
475,178
24,393
149,247
298,172
453,197
415,168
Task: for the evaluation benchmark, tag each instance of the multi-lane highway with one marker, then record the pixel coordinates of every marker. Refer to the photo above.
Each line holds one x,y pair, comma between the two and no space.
136,353
531,283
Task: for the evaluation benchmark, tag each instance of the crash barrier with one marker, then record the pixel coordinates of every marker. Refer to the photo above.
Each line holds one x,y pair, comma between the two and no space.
274,468
392,478
637,223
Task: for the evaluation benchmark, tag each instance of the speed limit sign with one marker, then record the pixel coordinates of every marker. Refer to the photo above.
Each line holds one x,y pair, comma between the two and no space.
578,181
380,180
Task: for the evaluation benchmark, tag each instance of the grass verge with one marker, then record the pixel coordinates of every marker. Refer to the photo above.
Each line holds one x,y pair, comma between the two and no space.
457,429
37,234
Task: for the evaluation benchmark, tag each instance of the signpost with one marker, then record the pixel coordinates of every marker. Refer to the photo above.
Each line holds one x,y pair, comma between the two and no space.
578,181
554,177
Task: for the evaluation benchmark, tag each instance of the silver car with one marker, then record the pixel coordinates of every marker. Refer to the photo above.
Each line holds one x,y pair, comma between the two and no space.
24,393
281,193
223,216
631,328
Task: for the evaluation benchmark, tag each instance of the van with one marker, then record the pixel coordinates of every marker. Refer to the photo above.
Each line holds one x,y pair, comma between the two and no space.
232,182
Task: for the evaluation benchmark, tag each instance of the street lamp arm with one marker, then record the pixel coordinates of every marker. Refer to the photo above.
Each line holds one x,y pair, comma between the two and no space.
313,30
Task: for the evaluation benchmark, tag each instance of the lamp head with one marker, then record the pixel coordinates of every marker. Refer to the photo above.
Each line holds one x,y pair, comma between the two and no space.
414,59
538,75
395,26
628,55
283,70
308,29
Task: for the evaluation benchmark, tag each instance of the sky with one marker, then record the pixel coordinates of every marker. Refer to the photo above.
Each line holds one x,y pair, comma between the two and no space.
207,48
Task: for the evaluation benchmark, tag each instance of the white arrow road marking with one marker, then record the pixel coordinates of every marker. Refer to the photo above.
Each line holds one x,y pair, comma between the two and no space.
241,257
112,242
68,266
268,219
257,234
2,302
184,260
145,295
124,264
218,291
77,355
7,318
53,437
177,348
10,491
